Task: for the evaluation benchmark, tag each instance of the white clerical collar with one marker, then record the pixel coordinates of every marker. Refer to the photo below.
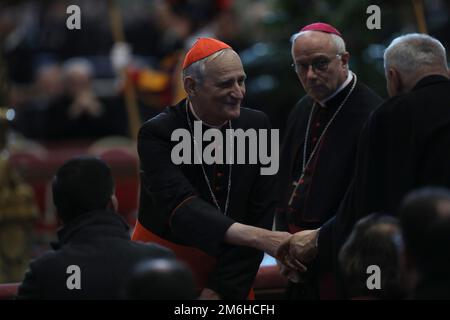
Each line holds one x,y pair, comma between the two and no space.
204,122
346,82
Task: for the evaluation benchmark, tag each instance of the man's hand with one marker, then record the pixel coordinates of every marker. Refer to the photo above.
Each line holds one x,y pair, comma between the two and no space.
85,102
299,249
258,238
262,239
271,240
208,294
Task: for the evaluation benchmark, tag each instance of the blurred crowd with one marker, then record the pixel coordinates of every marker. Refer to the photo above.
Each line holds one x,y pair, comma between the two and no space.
65,83
70,83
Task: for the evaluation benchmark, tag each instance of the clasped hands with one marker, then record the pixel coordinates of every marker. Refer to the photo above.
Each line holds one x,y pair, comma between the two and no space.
296,252
292,251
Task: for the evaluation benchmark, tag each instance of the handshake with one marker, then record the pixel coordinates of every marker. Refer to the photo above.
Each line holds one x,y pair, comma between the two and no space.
295,252
292,251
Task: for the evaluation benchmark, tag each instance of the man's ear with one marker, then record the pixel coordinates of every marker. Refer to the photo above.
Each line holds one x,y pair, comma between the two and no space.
113,203
396,82
345,58
190,86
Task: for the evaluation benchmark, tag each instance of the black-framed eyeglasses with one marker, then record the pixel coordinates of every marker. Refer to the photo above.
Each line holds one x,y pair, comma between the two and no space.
317,64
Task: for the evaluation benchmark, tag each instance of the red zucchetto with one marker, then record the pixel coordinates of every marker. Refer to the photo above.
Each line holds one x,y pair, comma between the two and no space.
203,48
320,26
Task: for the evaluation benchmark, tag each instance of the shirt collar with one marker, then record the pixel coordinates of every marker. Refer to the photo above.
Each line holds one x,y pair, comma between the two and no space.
346,82
198,118
431,79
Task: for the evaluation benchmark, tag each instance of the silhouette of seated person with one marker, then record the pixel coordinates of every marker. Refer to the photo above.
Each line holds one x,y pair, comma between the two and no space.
375,242
47,88
94,251
160,279
425,223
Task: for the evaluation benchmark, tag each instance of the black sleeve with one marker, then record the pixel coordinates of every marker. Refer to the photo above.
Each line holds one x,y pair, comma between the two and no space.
335,231
280,221
237,266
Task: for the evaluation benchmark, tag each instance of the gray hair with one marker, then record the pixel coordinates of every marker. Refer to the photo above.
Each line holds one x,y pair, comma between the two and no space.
80,65
197,69
337,40
411,52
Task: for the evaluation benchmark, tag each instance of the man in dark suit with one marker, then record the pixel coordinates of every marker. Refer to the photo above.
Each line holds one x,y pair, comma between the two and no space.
160,279
214,216
403,146
94,252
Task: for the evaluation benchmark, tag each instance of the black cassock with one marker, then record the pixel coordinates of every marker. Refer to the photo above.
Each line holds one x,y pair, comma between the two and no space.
404,145
330,170
178,211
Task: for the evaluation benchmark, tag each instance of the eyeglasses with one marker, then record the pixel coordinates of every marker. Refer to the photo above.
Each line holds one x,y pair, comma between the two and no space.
317,64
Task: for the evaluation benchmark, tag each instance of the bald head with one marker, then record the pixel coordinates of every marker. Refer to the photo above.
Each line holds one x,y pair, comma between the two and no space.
160,279
410,58
425,222
318,36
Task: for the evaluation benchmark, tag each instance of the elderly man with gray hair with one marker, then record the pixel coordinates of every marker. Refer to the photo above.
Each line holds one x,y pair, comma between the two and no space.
403,146
411,58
